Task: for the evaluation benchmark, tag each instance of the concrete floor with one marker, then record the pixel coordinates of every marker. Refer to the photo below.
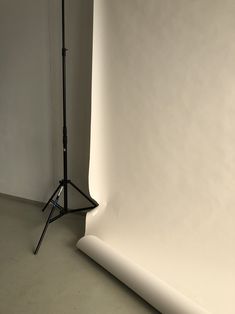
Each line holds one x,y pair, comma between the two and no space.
60,279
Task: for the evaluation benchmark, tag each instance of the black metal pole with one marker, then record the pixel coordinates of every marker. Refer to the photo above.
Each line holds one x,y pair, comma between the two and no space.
65,135
63,186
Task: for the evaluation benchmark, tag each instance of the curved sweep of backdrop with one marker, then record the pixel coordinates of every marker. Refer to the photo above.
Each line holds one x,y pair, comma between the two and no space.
162,151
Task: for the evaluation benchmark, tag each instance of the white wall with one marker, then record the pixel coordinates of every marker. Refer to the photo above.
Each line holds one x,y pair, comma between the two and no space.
30,95
25,112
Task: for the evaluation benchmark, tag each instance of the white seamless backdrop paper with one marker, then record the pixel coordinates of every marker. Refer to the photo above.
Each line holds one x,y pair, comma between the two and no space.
162,163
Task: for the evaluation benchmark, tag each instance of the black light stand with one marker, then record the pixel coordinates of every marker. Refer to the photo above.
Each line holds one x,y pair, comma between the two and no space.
63,184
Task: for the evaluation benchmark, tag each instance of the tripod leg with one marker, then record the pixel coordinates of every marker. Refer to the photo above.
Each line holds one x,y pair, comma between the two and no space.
44,230
81,192
47,222
51,198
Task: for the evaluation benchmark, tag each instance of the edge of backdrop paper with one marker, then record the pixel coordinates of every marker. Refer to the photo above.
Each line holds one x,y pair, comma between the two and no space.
155,291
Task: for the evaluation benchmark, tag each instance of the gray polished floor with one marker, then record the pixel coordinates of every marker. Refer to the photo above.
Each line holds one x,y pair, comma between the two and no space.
60,279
